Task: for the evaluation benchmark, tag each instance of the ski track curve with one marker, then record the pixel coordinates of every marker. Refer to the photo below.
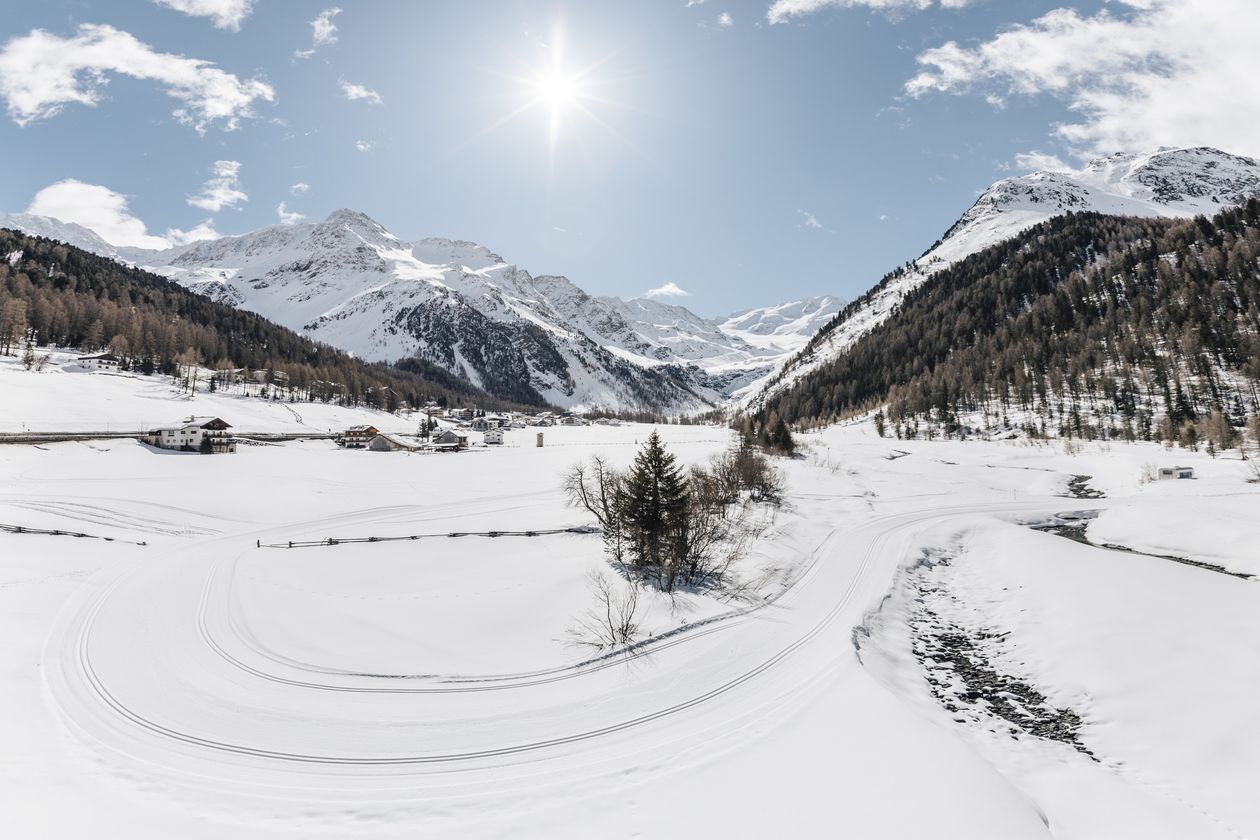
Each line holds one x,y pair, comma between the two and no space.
87,671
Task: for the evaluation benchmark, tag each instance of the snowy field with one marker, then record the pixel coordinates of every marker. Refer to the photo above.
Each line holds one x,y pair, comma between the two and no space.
64,397
200,686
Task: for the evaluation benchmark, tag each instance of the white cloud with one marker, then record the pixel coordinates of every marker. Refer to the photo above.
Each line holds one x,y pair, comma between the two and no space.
782,11
1036,161
323,32
364,145
353,92
1158,72
286,216
98,208
725,20
41,72
203,231
299,188
224,14
810,221
223,189
670,289
691,3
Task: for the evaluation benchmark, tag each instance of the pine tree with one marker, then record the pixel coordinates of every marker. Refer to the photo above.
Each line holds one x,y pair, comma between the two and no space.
654,514
781,437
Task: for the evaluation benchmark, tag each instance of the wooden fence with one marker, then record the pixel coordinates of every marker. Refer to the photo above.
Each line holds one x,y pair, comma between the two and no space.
584,529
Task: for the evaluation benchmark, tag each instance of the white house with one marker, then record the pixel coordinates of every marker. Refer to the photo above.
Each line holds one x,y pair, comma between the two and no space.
494,436
187,436
1166,473
102,361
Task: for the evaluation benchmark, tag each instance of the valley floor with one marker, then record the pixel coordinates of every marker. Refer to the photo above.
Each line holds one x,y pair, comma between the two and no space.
910,658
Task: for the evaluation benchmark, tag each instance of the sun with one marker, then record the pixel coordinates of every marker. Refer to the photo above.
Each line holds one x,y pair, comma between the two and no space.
557,90
565,98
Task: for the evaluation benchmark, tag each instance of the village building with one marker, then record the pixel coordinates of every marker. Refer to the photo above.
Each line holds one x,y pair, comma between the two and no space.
188,436
479,424
358,437
386,442
102,361
493,436
449,440
1166,473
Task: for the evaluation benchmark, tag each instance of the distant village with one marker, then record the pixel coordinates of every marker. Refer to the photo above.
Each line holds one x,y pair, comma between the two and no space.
440,428
211,435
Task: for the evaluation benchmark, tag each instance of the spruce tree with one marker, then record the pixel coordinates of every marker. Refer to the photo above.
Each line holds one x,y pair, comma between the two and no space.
654,514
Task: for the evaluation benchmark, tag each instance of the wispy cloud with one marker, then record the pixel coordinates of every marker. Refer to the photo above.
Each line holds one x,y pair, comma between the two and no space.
782,11
1151,76
670,289
809,220
201,232
1035,161
40,73
356,92
364,145
725,20
223,189
323,32
224,14
286,216
299,188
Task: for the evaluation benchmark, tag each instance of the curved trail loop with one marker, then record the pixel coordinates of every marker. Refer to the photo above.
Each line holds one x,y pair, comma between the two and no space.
126,660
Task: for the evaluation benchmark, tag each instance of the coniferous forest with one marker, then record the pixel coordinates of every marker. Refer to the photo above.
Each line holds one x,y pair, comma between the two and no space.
1085,326
57,295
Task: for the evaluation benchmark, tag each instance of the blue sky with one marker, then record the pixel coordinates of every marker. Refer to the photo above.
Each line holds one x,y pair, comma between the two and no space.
745,161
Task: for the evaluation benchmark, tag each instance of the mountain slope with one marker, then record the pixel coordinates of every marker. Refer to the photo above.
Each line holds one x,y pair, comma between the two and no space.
349,282
1085,326
70,297
55,229
1173,183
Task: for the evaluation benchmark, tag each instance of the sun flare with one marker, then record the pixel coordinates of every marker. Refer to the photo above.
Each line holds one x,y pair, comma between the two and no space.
557,90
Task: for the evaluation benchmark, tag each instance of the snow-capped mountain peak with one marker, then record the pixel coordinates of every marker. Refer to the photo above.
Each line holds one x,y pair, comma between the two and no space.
67,232
349,281
1172,182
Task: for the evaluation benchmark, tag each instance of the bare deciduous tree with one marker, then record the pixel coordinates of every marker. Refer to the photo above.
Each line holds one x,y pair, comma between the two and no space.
598,488
612,621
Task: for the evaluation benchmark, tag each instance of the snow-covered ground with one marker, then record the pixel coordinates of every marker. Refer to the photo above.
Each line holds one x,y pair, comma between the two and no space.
64,397
201,686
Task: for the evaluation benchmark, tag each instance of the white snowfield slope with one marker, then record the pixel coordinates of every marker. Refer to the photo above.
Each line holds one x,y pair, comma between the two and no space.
349,282
1169,182
199,686
64,397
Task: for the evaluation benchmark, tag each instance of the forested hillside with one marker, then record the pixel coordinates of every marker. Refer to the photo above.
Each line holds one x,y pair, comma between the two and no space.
64,296
1083,326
